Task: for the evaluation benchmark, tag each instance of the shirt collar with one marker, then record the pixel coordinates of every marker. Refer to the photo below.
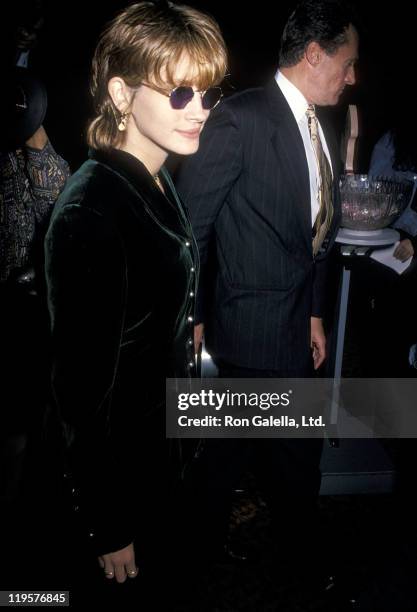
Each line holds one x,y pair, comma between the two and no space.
293,96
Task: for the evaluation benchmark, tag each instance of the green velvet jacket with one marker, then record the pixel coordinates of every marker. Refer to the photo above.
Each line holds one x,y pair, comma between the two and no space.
121,270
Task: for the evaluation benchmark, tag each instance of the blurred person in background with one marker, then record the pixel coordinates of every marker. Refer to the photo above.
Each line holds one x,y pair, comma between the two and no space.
32,175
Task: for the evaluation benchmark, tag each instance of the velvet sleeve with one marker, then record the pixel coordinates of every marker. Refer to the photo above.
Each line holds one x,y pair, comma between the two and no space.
86,280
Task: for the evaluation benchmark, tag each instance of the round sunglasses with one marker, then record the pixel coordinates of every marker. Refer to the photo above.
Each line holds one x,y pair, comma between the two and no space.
180,96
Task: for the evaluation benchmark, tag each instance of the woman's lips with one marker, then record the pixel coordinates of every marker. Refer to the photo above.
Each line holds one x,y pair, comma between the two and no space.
190,133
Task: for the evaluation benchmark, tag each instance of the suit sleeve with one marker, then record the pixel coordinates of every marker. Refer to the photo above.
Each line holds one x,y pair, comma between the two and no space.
382,157
319,288
85,271
204,181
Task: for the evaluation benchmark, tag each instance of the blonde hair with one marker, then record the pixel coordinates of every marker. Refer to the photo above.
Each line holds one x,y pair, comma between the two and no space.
144,43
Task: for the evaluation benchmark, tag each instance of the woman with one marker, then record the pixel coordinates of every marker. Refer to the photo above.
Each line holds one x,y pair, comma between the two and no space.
122,267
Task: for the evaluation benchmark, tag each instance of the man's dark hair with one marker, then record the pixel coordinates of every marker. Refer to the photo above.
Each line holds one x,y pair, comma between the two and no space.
323,21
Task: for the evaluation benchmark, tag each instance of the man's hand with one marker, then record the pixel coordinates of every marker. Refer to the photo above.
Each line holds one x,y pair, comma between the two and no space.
404,250
120,564
318,342
198,336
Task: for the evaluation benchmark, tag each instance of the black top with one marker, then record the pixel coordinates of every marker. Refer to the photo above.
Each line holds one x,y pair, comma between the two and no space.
121,268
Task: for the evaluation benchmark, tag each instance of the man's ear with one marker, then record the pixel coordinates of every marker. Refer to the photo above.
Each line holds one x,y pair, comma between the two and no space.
314,54
120,94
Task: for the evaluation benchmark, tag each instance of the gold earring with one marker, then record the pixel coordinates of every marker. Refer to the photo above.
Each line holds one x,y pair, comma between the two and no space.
123,120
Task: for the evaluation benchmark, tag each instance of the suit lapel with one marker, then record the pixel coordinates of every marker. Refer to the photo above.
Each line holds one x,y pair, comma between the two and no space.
288,145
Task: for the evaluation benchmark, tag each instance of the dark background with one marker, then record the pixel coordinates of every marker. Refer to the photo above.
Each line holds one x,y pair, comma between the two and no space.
252,31
41,533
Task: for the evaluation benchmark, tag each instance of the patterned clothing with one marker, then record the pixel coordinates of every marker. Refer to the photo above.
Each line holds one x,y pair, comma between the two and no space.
30,182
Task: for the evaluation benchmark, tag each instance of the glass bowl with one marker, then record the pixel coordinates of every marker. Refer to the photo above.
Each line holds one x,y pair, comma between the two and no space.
372,202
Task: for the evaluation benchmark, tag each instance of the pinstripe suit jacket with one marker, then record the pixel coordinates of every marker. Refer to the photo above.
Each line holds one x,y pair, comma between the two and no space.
248,195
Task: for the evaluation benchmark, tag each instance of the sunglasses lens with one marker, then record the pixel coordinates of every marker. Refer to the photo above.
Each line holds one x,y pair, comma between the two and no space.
180,97
211,97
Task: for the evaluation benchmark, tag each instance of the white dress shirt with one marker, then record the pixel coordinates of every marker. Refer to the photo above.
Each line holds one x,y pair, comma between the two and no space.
298,105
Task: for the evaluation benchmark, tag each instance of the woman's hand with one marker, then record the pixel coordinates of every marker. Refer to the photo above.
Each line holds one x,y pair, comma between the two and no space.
120,564
404,250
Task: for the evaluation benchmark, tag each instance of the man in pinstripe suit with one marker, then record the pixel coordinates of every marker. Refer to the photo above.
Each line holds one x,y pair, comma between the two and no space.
252,192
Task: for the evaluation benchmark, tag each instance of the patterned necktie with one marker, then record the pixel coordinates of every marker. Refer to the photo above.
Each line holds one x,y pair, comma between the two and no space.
325,214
